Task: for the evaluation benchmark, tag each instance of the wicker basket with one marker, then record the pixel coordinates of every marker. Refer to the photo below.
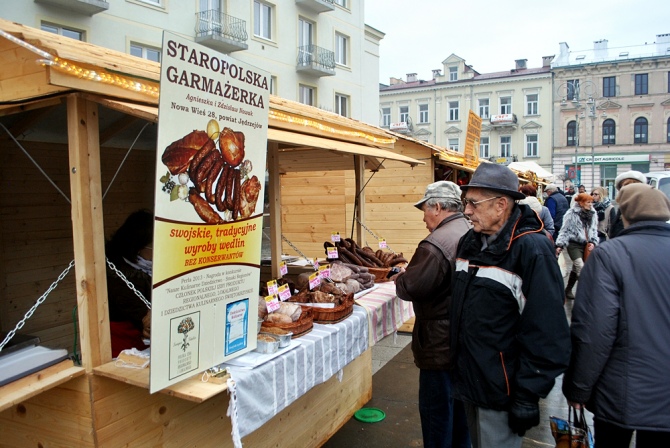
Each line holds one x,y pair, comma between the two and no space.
380,274
334,315
303,325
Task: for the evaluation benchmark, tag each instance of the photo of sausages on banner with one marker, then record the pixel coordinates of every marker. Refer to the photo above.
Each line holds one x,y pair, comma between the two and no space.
212,145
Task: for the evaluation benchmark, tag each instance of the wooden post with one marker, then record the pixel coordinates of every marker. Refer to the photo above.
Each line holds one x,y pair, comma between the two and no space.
274,194
359,211
88,231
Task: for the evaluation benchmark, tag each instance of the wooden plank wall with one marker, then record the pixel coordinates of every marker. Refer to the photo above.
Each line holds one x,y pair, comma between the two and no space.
36,231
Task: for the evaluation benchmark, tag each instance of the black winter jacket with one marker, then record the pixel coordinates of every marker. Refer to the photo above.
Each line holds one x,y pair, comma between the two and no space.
427,284
620,328
509,332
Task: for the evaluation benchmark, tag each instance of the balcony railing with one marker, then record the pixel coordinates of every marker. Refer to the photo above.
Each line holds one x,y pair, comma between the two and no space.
316,5
316,60
221,31
87,7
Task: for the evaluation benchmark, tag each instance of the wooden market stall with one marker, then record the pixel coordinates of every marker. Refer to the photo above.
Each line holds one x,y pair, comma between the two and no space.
69,112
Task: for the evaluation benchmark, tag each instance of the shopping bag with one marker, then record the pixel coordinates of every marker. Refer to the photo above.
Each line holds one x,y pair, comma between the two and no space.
573,432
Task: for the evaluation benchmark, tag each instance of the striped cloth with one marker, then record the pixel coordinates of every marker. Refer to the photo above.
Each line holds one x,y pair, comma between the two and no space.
386,311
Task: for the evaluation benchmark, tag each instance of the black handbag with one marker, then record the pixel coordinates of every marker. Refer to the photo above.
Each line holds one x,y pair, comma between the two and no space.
573,432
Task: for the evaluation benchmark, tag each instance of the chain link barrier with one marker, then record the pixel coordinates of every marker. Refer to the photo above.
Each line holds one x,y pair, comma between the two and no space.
299,252
373,234
128,283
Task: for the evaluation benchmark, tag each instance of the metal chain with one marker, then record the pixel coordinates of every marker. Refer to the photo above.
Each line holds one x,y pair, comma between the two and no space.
128,283
373,234
298,250
41,300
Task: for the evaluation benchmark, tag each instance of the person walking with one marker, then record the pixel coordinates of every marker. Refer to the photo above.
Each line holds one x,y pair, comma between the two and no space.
557,205
531,200
623,179
620,322
603,207
509,332
580,227
427,284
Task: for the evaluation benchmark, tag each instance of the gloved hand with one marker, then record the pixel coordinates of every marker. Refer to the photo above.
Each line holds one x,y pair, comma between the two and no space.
523,415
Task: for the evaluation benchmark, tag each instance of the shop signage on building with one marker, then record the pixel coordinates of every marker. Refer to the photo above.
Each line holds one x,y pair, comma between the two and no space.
613,158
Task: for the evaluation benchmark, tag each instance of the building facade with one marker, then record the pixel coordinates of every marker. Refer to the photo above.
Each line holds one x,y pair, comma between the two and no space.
319,52
612,111
515,105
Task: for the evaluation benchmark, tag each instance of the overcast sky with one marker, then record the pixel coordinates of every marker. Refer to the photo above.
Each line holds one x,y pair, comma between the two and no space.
490,35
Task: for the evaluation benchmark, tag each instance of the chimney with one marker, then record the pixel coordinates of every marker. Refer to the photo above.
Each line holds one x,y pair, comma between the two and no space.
600,50
663,44
437,73
563,55
411,77
521,64
546,60
395,81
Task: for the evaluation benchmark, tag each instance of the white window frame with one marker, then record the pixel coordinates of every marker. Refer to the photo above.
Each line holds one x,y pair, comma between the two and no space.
453,73
63,30
484,108
306,94
505,107
386,117
533,106
404,113
342,104
454,107
453,144
152,2
145,51
263,20
423,114
484,148
341,49
273,85
532,145
506,146
342,3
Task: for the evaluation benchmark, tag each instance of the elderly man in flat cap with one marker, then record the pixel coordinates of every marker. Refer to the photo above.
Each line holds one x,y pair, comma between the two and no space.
623,179
620,327
427,284
509,332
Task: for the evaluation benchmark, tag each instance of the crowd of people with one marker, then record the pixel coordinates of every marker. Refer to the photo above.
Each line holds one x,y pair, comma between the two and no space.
491,333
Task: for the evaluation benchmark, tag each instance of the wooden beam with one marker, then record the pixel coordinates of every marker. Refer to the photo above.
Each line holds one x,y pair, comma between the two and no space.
28,120
359,210
274,194
88,231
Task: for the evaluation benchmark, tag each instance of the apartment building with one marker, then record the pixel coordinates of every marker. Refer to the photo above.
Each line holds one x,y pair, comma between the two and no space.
515,106
612,111
319,52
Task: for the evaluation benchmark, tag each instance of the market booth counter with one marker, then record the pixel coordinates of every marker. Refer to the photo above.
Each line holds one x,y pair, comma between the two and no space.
99,403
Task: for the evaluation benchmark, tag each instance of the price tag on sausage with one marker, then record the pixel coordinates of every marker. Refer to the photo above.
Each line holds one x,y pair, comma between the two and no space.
283,268
332,252
382,244
314,280
284,293
335,237
272,287
315,263
324,271
272,303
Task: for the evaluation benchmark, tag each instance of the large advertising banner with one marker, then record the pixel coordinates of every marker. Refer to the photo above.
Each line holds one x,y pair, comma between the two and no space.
210,170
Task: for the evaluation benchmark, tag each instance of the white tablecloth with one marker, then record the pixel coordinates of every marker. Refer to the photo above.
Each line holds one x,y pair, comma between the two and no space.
386,311
264,391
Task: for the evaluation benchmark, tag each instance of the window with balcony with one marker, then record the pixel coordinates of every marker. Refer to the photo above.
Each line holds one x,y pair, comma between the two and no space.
453,144
423,113
342,104
453,110
506,146
609,86
341,43
609,132
307,95
342,3
386,117
483,108
453,73
484,151
63,31
506,105
532,146
263,16
641,84
143,51
531,104
640,130
404,114
572,133
573,89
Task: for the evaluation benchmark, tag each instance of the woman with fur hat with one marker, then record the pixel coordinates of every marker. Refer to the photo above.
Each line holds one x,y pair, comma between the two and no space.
580,227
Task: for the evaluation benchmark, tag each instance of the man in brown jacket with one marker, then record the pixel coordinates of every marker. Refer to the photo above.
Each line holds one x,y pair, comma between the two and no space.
426,283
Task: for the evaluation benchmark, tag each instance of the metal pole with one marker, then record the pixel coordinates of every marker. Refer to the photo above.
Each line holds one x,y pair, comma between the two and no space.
593,157
577,174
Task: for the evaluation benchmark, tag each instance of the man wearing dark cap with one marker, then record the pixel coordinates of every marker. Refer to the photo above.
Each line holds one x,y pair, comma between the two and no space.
509,333
623,179
427,284
620,327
